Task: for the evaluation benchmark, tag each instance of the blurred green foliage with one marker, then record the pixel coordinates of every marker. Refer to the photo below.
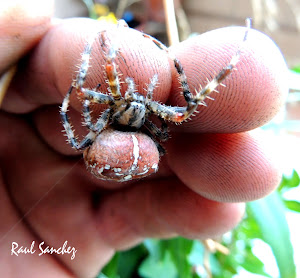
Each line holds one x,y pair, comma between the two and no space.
296,69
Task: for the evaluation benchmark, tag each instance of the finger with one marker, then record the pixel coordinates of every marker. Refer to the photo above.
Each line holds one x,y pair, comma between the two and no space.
53,65
23,23
254,92
163,210
226,167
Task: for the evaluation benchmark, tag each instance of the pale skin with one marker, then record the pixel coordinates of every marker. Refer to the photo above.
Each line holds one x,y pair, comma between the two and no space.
213,165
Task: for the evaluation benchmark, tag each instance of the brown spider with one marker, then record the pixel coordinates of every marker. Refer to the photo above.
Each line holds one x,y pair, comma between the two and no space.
128,115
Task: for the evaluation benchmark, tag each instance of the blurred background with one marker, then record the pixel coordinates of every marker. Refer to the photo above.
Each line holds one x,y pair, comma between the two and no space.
266,243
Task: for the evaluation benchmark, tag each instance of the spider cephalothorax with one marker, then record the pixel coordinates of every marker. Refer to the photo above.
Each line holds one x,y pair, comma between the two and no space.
114,147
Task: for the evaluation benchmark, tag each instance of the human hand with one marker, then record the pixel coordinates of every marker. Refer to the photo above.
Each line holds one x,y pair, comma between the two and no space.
213,163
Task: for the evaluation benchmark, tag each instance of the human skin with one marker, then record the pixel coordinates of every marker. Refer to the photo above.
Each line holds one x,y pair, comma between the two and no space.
214,163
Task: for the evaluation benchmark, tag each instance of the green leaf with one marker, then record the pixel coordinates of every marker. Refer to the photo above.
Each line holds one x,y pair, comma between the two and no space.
129,261
292,205
195,257
111,269
152,268
294,181
253,264
289,182
296,69
124,264
248,229
155,248
101,275
180,248
270,216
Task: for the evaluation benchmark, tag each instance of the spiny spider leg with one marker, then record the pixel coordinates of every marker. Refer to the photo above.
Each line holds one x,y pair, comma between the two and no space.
161,133
112,80
87,113
150,130
182,77
98,127
90,137
83,69
179,114
224,73
89,96
129,94
151,88
111,70
94,97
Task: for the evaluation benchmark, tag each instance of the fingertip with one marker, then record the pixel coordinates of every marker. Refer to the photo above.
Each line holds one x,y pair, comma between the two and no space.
226,167
185,207
254,92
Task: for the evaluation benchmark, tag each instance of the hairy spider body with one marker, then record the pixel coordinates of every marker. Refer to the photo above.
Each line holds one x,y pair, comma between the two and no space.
129,113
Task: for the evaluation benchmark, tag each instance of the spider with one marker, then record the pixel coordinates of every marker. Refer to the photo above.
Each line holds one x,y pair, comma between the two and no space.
126,115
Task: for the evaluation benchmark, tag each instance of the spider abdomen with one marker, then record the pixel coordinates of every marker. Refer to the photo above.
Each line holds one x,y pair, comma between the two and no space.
122,156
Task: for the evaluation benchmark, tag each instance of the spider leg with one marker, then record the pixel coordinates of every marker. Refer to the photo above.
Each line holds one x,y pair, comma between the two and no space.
85,60
182,77
88,95
67,126
129,94
94,97
164,112
98,127
224,73
78,86
179,114
111,69
154,132
90,137
161,133
168,113
151,88
87,112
